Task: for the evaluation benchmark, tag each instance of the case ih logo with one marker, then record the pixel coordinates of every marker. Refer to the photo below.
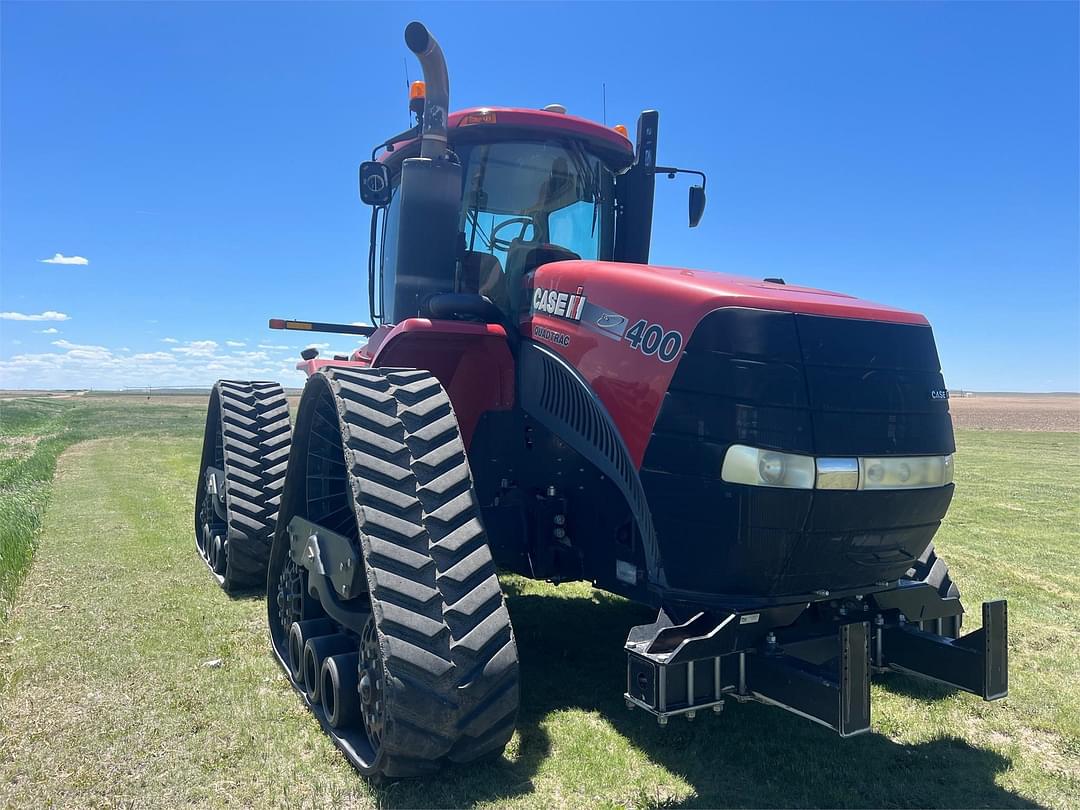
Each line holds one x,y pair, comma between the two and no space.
939,393
560,304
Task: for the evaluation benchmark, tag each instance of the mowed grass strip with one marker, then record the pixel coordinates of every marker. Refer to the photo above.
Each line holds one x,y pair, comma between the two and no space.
131,678
108,697
33,433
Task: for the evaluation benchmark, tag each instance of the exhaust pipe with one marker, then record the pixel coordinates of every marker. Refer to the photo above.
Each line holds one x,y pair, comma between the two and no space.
316,651
433,133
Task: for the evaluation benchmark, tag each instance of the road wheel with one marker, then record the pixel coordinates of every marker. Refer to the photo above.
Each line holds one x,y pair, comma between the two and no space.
245,454
377,458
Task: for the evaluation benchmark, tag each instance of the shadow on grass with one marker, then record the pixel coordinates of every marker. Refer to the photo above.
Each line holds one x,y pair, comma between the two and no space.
749,756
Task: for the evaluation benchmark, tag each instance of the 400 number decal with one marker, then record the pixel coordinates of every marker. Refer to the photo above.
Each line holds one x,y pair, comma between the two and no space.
650,338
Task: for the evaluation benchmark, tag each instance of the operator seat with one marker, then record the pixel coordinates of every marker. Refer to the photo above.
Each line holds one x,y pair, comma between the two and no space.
482,273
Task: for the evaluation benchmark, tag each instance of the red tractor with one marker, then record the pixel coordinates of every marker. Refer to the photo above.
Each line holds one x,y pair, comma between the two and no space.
765,465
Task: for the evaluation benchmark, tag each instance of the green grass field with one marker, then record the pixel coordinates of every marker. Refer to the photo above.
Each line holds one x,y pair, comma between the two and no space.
111,694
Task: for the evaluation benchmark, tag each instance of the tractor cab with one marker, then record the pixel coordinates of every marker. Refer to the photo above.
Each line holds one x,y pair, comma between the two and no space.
535,186
528,187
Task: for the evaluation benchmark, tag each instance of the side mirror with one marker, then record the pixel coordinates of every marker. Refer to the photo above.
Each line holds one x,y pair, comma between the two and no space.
374,183
697,204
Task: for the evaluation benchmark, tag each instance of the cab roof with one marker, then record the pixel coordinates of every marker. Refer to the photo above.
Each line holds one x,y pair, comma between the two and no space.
477,124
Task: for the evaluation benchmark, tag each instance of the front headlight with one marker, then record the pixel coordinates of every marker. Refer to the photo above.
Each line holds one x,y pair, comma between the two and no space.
905,473
767,468
770,468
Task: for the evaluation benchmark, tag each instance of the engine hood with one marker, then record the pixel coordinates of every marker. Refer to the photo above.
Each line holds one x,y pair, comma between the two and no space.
705,289
625,327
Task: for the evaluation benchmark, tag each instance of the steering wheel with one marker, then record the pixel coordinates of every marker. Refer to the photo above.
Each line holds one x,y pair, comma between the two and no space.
504,244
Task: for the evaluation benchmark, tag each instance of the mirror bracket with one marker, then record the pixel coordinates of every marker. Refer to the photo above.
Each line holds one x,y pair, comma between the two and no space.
697,193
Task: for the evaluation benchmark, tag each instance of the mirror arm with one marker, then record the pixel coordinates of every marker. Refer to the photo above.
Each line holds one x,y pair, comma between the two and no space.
671,171
388,144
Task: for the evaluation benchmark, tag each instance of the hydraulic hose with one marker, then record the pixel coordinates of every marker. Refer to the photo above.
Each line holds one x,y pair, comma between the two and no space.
433,136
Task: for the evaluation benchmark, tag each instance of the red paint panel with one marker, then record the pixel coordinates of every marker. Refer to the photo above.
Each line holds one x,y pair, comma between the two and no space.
471,360
632,384
539,120
550,121
309,367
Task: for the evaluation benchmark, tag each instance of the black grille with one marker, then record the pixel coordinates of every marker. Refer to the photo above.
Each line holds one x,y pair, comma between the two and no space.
804,384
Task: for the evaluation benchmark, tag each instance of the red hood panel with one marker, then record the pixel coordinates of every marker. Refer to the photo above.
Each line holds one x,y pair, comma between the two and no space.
593,313
704,288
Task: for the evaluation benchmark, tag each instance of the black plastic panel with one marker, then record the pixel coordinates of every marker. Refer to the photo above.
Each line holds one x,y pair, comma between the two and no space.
866,344
802,384
734,422
750,333
779,384
869,434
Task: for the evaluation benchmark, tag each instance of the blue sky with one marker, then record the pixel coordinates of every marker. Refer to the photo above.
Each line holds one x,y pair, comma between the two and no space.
202,157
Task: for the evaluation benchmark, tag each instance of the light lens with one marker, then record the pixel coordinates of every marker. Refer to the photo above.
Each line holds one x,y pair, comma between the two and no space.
905,473
417,90
478,117
767,468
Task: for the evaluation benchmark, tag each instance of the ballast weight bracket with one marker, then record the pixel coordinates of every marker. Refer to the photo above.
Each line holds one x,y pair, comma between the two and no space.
818,668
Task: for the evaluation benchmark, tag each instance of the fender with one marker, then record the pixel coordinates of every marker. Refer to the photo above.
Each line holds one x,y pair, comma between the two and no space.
471,360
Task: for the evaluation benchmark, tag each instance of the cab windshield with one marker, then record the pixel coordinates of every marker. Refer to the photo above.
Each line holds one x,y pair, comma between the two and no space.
528,203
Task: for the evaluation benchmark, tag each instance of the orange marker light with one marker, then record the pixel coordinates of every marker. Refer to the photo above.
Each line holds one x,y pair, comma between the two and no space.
481,117
621,129
417,90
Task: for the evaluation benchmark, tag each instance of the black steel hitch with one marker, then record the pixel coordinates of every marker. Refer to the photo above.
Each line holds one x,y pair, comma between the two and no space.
818,668
977,663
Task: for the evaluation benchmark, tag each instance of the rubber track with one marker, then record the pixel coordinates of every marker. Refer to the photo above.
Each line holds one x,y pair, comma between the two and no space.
257,434
445,634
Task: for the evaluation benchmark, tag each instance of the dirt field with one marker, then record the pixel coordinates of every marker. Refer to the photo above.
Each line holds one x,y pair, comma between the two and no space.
1045,412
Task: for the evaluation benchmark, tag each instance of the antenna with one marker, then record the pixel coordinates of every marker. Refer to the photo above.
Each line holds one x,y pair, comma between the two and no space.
603,93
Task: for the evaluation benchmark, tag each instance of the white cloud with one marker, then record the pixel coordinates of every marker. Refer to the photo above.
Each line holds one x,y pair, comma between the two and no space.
169,340
82,351
273,346
47,315
60,258
319,346
236,344
67,344
197,348
196,363
52,330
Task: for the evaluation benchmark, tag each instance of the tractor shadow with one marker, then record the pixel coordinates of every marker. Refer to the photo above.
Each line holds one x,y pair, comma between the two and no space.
749,756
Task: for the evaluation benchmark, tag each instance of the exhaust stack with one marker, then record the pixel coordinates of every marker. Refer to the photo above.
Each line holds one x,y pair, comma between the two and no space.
433,133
